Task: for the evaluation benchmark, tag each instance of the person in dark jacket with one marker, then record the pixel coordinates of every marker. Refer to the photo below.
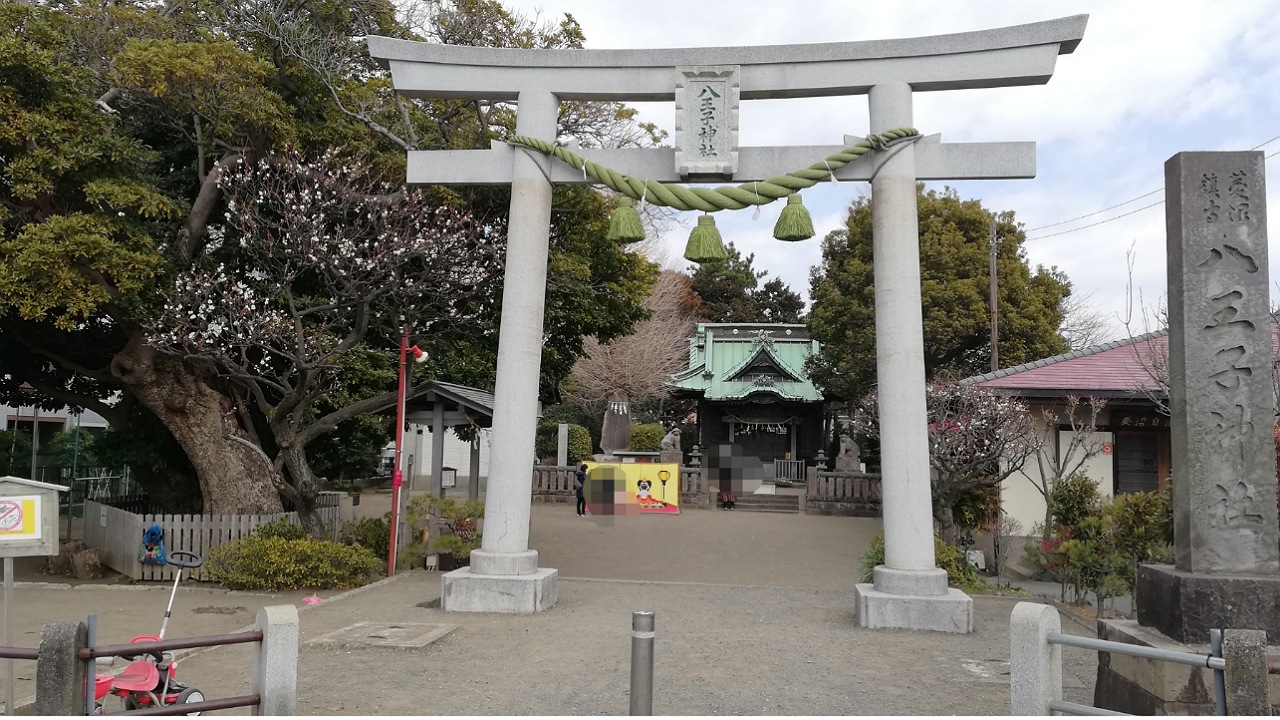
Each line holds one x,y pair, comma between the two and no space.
580,485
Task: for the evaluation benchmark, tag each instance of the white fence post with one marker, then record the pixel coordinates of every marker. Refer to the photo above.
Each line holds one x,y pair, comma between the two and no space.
1035,666
275,668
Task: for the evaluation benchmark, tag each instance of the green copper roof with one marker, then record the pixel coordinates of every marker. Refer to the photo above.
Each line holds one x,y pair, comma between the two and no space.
760,361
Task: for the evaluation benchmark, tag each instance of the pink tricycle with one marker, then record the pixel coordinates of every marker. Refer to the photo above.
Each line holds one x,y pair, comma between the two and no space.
151,681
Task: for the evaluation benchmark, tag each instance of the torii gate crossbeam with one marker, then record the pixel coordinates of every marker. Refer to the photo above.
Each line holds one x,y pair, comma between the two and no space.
909,591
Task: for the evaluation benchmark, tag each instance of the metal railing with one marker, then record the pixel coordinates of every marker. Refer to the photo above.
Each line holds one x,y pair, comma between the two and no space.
788,471
276,634
1035,659
90,654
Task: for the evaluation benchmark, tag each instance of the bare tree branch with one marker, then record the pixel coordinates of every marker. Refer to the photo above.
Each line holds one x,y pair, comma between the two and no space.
640,364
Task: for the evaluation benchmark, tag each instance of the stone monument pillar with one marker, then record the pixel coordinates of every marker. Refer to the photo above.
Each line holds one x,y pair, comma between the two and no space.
909,591
504,575
615,432
1227,570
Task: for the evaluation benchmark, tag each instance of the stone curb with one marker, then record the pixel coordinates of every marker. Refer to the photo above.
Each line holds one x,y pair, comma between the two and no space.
131,587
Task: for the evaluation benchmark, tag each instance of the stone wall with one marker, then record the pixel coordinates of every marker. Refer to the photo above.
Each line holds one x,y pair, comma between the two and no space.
1141,686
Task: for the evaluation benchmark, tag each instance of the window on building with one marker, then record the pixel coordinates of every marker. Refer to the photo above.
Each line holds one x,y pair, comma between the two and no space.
1141,461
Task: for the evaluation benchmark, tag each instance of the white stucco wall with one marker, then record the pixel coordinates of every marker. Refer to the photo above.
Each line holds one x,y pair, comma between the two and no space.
457,453
88,419
1020,496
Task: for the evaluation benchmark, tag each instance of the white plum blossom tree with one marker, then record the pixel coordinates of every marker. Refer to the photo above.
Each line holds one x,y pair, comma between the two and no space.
977,438
316,263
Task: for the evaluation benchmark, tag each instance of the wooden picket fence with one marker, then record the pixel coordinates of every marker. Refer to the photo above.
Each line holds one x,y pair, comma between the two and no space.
117,534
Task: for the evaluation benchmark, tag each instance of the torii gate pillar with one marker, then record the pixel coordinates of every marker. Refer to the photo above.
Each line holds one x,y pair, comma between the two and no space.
909,591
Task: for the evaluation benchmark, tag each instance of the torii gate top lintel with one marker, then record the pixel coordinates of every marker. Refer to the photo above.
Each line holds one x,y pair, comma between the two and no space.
1015,55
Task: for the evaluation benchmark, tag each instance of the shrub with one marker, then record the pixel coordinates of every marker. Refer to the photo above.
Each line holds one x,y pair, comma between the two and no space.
1142,523
461,524
1099,543
546,442
647,437
280,528
373,534
975,508
580,447
1072,500
960,574
276,563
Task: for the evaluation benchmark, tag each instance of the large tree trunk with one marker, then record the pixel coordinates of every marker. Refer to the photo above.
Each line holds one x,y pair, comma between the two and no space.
235,476
302,480
945,516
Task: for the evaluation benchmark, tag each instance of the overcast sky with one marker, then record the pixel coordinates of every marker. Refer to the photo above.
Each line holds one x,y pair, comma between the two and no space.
1150,79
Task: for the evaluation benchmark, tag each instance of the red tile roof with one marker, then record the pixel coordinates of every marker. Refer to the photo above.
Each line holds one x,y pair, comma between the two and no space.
1110,369
1122,368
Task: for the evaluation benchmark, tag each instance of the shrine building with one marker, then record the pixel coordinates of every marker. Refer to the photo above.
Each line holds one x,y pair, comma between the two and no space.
752,392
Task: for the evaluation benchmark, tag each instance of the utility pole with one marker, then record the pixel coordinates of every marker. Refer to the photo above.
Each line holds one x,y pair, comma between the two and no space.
992,244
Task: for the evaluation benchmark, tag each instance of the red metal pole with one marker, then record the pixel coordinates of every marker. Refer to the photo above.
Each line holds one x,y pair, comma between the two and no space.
396,476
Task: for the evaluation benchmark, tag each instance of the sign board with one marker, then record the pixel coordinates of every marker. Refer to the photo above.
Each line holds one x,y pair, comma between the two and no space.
707,100
448,478
20,517
28,517
633,488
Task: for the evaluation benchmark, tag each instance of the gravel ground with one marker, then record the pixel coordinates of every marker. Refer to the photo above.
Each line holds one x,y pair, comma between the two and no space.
754,617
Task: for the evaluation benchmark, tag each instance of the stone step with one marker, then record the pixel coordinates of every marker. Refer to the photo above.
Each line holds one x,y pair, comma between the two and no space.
768,503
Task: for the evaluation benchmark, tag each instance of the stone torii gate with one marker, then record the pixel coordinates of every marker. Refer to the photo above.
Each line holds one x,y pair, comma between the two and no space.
909,591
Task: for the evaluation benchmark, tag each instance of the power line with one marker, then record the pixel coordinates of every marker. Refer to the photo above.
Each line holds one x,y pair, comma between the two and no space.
1098,212
1100,222
1126,202
1262,145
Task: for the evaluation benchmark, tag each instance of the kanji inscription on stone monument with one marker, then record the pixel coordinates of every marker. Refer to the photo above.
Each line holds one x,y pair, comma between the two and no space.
707,100
1219,364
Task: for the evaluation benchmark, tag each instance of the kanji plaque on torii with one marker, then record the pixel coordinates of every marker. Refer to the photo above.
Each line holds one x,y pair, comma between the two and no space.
707,121
909,591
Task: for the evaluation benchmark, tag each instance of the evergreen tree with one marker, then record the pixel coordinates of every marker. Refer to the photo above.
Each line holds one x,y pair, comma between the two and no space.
730,292
954,273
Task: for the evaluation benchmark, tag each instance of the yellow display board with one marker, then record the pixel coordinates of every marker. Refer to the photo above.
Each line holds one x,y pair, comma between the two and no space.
633,488
19,518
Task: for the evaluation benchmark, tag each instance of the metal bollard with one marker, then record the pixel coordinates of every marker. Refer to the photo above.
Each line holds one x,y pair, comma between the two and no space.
642,663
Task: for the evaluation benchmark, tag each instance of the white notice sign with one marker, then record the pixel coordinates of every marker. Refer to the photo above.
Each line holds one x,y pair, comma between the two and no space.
19,518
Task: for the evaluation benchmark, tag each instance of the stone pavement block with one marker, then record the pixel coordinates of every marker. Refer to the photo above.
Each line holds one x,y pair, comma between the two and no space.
409,636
